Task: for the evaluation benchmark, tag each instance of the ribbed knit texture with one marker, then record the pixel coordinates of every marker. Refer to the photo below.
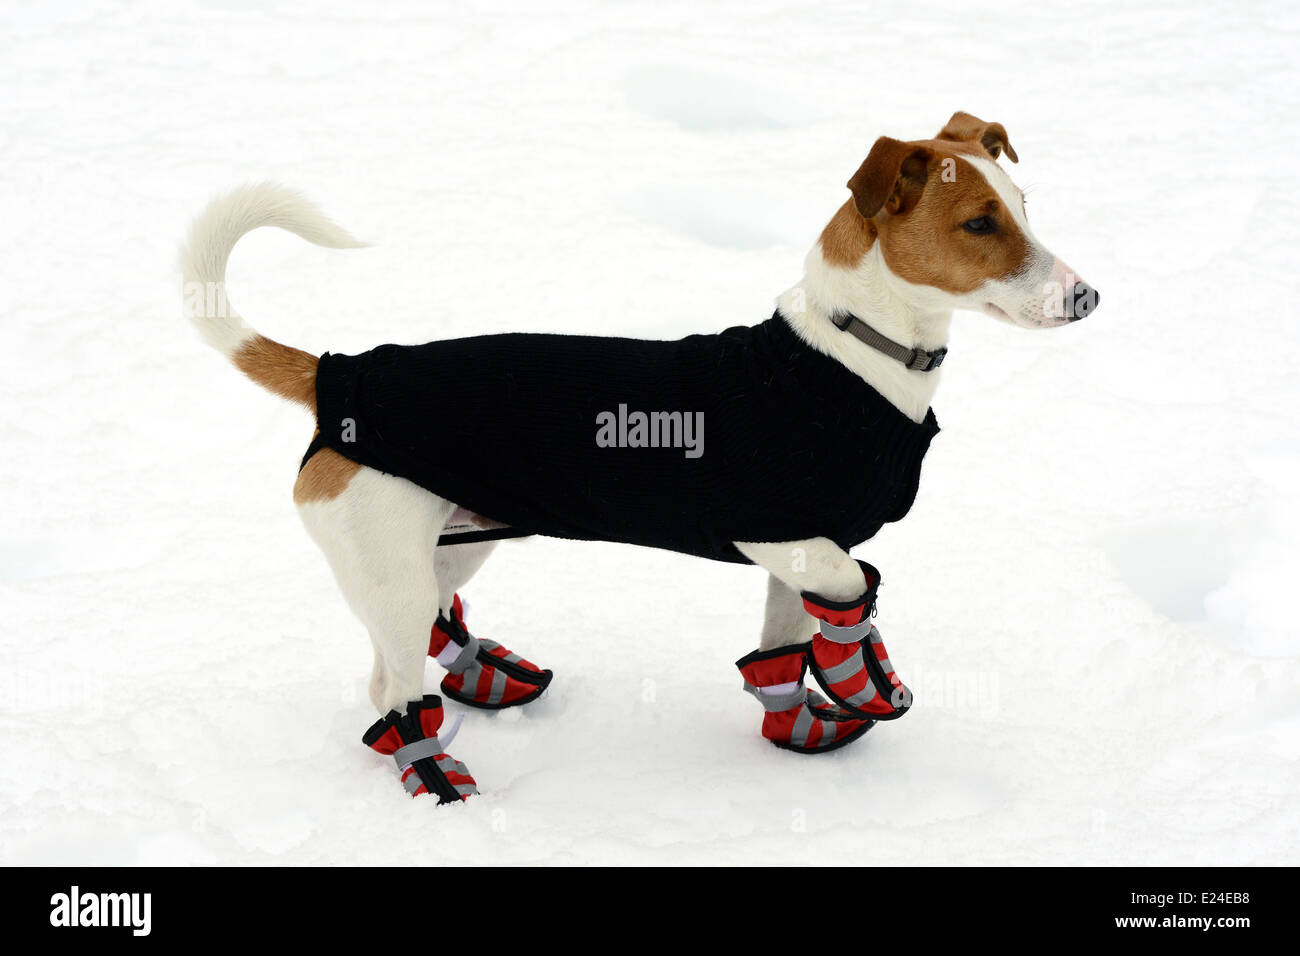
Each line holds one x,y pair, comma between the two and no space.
794,444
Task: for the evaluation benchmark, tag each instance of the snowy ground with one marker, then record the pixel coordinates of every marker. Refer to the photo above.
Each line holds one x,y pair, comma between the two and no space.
1091,598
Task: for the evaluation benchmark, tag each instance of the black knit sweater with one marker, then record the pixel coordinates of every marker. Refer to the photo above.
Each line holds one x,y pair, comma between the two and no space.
794,445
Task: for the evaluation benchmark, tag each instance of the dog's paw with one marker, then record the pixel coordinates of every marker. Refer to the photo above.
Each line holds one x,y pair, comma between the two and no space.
411,739
796,718
482,673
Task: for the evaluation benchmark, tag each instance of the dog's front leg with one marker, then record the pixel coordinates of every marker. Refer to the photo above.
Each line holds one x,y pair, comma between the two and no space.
815,565
785,621
816,577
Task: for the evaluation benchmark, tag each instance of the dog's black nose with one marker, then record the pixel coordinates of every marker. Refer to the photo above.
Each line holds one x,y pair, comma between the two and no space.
1083,299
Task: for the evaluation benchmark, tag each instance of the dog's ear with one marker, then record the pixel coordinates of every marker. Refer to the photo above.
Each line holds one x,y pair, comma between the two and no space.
971,129
891,177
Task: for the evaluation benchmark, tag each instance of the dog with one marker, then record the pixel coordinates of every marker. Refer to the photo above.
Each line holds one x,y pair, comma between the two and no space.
782,444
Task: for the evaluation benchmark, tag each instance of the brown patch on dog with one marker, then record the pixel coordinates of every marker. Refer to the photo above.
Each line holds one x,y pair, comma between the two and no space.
913,199
954,147
929,245
847,237
324,477
992,137
289,372
891,177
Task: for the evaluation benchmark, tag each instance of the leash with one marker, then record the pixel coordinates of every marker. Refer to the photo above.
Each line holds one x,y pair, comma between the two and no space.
918,360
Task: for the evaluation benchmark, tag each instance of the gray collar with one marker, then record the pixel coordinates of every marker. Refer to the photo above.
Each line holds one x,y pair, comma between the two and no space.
918,360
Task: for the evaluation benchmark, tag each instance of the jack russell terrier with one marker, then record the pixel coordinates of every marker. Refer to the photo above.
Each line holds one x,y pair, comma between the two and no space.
782,444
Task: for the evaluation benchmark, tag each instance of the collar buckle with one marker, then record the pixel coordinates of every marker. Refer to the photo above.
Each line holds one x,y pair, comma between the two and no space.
923,361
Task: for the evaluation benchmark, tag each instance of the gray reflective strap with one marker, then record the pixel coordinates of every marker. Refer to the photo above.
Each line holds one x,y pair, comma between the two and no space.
465,657
491,646
778,702
846,635
885,665
470,679
449,764
864,696
498,686
802,724
428,747
844,669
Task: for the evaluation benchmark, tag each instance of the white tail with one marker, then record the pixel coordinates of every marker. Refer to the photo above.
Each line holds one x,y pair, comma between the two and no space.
207,250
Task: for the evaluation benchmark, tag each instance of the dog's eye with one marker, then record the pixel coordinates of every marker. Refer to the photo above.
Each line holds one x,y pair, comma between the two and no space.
980,227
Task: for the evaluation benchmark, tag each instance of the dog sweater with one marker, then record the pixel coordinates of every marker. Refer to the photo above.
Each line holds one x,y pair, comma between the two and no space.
749,434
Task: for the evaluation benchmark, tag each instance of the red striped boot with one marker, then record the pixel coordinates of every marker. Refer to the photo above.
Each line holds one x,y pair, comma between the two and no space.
848,656
482,673
796,718
411,739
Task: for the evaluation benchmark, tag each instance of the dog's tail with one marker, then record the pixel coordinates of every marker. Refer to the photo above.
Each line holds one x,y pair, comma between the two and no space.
289,372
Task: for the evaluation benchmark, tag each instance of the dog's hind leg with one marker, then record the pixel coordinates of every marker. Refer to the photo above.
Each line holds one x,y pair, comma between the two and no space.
379,533
480,672
455,564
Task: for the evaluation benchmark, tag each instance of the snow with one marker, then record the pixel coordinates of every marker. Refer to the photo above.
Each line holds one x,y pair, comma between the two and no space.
1092,596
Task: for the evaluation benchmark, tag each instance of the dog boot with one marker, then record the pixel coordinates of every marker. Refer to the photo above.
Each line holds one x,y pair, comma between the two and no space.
796,718
411,739
482,673
848,658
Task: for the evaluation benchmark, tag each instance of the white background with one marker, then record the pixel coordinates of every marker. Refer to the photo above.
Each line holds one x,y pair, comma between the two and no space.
1092,598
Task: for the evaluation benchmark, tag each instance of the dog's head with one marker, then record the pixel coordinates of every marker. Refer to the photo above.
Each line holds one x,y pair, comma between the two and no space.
951,225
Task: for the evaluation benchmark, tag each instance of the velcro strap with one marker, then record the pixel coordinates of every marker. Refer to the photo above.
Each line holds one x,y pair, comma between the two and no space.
779,702
852,634
465,657
428,747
